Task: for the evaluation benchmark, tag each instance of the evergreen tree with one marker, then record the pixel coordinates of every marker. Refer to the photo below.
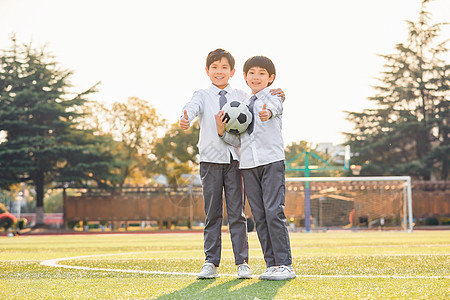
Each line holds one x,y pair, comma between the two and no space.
408,133
38,116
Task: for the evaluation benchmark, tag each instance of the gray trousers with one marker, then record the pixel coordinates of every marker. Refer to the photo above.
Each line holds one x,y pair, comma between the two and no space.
265,191
217,178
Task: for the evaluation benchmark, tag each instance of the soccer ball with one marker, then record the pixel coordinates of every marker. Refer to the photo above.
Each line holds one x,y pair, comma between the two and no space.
237,117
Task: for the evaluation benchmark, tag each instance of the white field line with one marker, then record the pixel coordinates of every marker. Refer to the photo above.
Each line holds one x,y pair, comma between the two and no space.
251,257
55,263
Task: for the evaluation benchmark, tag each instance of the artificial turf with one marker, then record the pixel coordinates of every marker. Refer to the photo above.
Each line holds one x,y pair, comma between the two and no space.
329,265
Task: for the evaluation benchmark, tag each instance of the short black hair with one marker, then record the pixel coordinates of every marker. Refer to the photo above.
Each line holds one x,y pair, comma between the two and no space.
262,62
217,55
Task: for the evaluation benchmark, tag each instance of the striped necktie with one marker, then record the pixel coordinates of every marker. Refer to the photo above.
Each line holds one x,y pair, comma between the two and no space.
250,107
222,99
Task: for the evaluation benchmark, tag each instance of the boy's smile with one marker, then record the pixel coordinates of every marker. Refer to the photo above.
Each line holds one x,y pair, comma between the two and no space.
258,78
220,72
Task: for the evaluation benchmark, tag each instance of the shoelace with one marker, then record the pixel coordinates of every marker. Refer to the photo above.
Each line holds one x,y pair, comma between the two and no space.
205,267
282,268
243,267
270,270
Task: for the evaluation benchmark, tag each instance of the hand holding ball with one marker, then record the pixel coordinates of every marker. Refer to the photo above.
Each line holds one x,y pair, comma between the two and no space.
237,117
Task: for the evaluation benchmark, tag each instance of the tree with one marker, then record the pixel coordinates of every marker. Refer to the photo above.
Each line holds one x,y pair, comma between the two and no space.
2,208
94,120
91,159
408,133
134,125
293,153
38,117
296,154
176,153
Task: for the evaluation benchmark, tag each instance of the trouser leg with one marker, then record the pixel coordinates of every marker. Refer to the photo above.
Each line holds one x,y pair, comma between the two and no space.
235,210
273,191
254,193
212,184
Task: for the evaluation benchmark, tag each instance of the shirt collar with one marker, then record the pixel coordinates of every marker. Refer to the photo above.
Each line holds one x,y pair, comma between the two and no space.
262,93
216,90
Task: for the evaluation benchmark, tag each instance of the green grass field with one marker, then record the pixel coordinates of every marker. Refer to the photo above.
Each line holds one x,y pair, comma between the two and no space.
329,265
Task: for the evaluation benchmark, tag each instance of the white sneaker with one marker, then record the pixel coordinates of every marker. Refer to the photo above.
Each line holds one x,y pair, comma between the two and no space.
208,271
266,274
282,273
244,271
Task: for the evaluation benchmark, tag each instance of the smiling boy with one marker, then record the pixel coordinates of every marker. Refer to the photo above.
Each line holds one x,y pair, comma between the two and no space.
262,167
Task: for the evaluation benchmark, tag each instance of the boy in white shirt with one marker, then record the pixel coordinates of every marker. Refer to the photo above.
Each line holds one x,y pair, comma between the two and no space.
262,167
219,166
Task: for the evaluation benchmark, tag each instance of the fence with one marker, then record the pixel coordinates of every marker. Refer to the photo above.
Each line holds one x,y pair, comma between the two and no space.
177,205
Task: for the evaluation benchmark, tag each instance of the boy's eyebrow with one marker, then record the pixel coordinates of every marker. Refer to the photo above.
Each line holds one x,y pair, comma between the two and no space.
257,69
218,64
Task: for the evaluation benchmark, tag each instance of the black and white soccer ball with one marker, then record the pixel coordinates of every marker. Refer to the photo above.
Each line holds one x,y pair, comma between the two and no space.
237,116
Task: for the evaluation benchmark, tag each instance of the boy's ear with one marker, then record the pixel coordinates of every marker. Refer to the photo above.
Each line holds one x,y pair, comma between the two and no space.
245,78
271,78
232,72
207,71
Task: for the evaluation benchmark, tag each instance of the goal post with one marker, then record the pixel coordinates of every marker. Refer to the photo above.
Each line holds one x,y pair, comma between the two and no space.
382,200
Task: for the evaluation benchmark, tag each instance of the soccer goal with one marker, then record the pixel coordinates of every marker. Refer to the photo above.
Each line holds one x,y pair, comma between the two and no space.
381,202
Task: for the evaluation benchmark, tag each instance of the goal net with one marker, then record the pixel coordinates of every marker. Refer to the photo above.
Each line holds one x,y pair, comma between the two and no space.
350,202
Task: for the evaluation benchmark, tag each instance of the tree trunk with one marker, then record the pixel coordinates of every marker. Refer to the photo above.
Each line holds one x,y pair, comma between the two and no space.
39,184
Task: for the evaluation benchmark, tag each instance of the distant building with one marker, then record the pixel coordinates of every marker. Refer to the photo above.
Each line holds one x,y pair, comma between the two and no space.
160,179
333,150
329,148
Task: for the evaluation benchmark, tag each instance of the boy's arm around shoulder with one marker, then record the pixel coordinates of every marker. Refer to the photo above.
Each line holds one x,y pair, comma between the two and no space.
274,105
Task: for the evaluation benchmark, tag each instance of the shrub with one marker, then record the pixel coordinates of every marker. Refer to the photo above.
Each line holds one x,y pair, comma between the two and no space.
3,208
73,224
432,221
445,221
21,223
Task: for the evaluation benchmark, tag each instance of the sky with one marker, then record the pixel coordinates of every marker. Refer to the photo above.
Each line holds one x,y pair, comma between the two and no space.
325,51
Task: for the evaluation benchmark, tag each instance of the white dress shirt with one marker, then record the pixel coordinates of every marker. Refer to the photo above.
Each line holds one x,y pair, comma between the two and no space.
265,145
205,104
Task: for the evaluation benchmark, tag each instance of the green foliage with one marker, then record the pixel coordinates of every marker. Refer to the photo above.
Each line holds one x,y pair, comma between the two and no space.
132,127
53,201
176,153
3,208
21,223
39,115
408,133
294,149
293,156
135,124
432,221
296,158
91,159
